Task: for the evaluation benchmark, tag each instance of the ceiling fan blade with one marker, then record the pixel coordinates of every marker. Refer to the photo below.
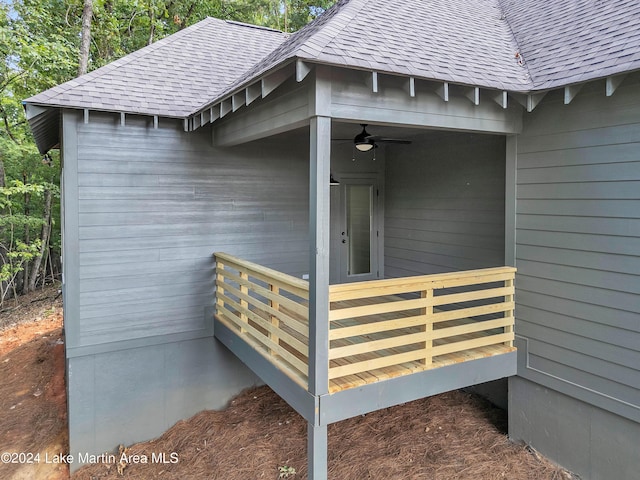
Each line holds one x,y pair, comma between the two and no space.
376,138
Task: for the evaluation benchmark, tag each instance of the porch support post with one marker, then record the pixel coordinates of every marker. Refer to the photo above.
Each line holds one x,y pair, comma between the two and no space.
319,252
319,209
510,200
317,452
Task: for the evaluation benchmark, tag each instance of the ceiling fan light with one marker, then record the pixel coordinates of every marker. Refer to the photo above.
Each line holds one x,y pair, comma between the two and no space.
364,146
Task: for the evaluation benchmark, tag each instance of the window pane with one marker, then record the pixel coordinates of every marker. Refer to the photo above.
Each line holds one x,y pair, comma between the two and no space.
359,228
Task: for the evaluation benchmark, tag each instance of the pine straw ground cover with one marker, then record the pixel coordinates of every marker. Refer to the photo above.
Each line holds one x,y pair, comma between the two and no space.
450,436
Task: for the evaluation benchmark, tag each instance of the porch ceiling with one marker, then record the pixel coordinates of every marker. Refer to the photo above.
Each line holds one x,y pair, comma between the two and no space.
342,133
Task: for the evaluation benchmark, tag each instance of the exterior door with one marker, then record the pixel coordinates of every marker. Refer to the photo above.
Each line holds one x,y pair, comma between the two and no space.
354,229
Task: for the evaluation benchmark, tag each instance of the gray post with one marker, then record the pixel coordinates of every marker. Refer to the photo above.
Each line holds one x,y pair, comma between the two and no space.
319,210
317,452
510,200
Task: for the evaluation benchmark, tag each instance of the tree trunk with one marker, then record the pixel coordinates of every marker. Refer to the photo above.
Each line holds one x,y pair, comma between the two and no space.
286,16
24,287
152,22
35,269
2,184
85,43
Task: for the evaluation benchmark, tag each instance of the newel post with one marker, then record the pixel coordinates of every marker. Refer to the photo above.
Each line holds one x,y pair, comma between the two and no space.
319,210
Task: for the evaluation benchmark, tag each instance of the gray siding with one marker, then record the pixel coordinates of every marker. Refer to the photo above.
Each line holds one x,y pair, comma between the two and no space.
578,247
444,204
144,210
353,99
153,206
588,441
128,396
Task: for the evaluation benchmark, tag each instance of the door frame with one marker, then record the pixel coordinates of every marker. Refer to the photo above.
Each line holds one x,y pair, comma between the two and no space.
338,215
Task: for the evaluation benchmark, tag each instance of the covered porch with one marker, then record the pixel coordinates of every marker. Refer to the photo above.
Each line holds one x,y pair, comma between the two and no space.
433,308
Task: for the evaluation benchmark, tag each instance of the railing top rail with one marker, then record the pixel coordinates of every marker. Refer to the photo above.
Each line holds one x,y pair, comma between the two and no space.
261,270
478,276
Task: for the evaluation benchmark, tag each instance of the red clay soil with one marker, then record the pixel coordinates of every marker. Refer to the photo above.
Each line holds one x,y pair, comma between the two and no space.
456,435
33,424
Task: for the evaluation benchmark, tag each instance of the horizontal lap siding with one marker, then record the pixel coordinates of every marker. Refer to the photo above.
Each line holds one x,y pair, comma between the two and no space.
444,204
154,204
578,246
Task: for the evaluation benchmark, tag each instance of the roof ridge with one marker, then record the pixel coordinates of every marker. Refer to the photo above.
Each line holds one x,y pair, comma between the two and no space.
251,25
518,53
342,9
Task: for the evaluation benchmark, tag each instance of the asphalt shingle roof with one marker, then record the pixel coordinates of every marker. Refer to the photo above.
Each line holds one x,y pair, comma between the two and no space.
471,42
572,41
462,41
171,77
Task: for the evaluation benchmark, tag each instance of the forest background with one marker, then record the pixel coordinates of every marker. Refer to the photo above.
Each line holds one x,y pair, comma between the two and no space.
47,42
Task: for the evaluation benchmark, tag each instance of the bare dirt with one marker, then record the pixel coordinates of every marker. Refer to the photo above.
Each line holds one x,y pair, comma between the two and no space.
451,436
32,389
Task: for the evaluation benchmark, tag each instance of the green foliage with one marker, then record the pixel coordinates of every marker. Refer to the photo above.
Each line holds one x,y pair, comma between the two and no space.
15,251
286,471
39,46
285,15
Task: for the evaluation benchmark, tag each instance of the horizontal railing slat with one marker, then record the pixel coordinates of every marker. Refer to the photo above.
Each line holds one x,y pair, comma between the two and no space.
472,311
366,365
473,295
472,343
374,345
377,309
472,327
375,327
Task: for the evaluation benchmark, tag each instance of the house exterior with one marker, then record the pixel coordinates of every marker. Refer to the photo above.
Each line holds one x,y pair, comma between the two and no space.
524,123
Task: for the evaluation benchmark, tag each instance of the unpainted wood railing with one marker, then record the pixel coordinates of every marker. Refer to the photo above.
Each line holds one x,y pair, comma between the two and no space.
269,308
419,322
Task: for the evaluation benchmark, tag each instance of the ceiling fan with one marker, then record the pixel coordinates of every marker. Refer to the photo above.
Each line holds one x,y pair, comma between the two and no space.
365,142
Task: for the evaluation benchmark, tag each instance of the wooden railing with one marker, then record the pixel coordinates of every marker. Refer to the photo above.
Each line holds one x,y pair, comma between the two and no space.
377,329
415,322
269,308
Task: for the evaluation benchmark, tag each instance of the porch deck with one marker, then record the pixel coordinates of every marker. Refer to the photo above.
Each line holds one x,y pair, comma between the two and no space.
378,330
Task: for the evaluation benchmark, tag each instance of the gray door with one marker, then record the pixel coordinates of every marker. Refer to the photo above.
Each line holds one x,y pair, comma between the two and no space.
354,229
